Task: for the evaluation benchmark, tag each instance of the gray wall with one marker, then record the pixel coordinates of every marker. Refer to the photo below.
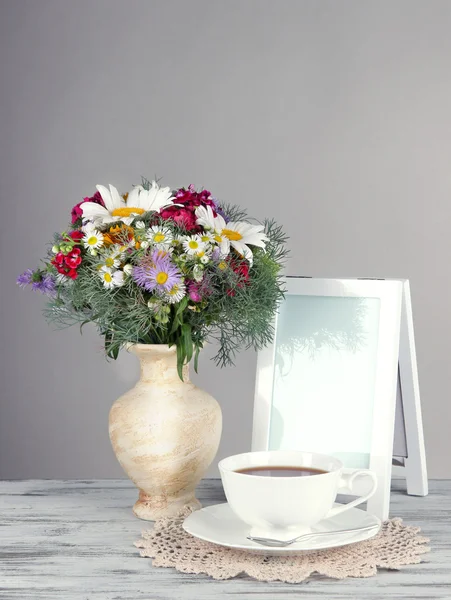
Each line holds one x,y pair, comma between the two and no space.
331,116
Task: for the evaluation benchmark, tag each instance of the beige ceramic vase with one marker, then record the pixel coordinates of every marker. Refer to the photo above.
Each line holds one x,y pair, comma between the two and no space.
165,433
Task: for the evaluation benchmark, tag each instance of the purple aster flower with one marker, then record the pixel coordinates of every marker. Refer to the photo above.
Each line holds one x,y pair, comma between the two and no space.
157,273
216,254
25,278
39,281
219,210
46,285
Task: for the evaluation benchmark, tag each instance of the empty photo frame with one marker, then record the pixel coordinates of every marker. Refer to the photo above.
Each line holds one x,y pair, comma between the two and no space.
328,383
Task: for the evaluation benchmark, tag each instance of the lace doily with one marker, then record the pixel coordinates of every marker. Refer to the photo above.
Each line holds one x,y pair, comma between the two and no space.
169,545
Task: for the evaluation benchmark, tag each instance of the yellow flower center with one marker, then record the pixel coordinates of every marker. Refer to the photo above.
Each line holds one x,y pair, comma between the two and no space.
200,254
158,237
205,238
92,241
175,288
222,265
193,244
126,211
161,277
107,277
218,238
109,262
232,235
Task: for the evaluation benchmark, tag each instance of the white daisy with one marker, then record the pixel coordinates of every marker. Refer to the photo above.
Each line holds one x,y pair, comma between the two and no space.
176,293
111,278
92,239
160,236
112,257
193,245
116,208
207,237
205,259
237,234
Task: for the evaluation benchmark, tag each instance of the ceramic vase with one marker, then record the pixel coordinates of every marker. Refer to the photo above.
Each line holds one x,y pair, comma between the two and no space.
165,433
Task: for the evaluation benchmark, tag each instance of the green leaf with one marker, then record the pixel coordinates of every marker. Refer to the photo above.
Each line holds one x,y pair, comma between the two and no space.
180,358
188,342
175,325
83,324
183,304
196,358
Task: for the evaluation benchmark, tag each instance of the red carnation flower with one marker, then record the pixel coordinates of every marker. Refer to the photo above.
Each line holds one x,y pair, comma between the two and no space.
194,292
73,258
76,235
183,217
192,199
58,260
67,265
242,270
77,213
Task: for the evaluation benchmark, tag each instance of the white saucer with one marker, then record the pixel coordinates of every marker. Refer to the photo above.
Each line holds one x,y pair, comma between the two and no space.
219,525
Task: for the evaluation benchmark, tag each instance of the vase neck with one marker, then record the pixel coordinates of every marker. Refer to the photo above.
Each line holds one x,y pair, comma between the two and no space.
159,363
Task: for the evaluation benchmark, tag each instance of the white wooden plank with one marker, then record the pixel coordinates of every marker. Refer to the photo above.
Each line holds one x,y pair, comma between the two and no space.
74,540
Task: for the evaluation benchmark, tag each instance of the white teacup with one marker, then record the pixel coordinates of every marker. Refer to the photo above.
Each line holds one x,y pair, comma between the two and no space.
283,508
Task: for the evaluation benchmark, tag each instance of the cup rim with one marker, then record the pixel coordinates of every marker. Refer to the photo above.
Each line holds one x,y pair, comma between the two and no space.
225,469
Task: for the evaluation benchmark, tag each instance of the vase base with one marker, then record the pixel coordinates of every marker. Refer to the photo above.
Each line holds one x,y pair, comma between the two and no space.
151,508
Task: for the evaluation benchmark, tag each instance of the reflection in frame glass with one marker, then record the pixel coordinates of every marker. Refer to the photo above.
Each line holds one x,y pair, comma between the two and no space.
328,382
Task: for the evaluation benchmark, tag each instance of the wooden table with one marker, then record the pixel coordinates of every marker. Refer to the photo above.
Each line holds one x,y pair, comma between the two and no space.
74,540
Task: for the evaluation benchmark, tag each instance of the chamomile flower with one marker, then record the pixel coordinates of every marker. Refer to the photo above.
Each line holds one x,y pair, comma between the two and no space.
193,245
176,293
116,208
110,278
237,234
205,259
160,236
93,239
178,239
207,237
112,257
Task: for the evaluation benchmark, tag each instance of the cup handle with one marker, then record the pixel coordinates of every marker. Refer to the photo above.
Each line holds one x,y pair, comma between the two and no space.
347,480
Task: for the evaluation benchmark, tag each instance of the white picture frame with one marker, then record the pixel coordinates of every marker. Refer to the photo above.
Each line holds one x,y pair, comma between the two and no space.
412,464
388,294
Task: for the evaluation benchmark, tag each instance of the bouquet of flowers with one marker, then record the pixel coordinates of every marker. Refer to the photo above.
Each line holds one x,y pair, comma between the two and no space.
156,266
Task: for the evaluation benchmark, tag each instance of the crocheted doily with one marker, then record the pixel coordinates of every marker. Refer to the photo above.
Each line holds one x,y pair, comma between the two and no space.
169,545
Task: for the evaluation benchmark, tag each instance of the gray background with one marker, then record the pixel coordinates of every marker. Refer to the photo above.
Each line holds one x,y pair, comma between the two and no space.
331,116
